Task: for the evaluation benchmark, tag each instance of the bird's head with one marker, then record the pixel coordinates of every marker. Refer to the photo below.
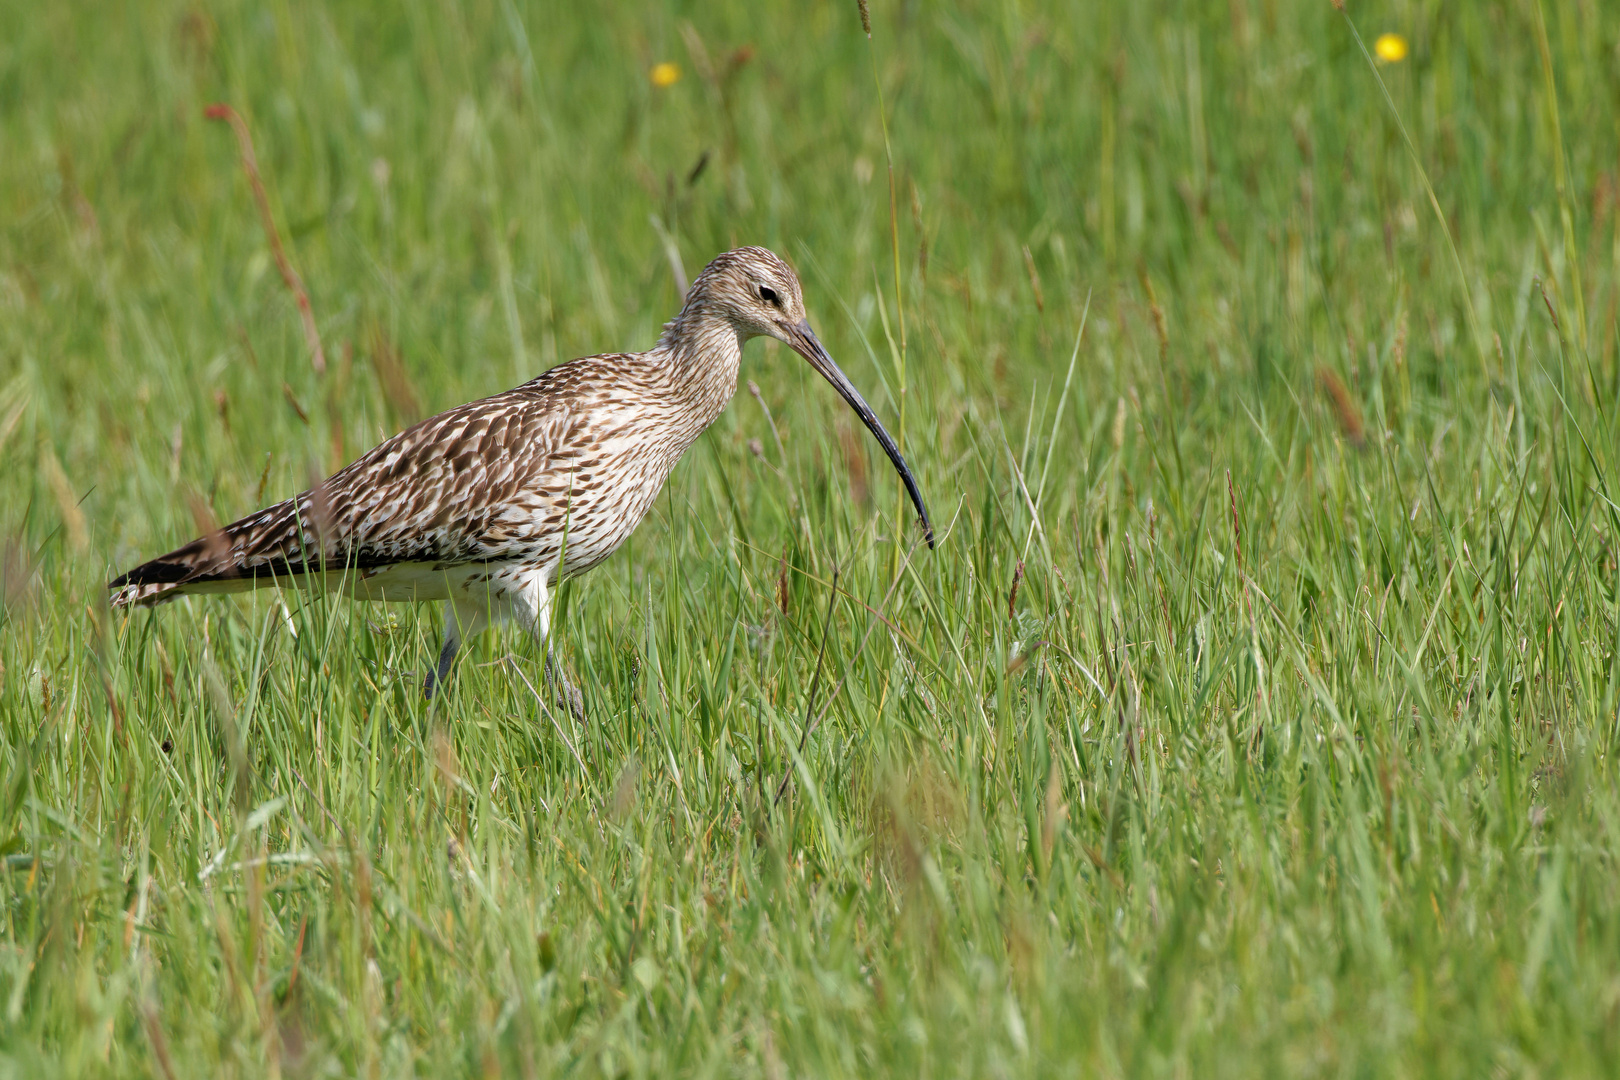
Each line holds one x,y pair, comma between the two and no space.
753,290
758,294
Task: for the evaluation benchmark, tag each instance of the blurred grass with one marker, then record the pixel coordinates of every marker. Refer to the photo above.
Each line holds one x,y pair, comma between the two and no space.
1291,754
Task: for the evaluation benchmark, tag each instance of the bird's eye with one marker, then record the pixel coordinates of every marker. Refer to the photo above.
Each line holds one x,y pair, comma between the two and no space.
768,294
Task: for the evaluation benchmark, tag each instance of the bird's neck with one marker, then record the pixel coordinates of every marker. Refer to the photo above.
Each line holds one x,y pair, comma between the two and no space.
702,353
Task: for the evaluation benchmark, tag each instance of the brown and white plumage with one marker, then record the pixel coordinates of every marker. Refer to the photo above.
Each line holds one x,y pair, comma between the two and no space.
491,503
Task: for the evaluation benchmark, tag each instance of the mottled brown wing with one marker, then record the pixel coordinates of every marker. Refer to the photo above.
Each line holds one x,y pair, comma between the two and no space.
467,485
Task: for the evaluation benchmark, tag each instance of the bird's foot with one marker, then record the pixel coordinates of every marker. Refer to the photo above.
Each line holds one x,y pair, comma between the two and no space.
564,692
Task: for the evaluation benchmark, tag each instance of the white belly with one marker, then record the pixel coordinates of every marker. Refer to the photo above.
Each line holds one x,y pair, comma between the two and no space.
406,582
399,583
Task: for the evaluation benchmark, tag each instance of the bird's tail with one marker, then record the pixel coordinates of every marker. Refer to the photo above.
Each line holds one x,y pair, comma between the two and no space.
232,558
142,595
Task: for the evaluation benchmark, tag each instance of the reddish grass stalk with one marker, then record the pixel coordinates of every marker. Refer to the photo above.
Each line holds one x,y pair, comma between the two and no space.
295,284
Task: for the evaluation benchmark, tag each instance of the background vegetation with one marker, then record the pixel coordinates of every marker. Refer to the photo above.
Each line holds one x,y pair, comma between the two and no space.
1256,713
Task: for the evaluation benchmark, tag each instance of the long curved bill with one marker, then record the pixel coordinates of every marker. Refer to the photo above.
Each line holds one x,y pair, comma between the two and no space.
804,342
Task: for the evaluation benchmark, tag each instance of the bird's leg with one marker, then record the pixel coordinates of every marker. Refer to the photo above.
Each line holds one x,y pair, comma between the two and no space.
565,691
441,672
460,620
532,606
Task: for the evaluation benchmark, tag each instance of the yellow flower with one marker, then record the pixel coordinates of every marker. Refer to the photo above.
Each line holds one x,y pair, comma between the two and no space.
1391,48
664,74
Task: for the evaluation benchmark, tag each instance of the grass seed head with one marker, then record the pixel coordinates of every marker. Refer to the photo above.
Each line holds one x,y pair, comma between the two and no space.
67,504
1342,405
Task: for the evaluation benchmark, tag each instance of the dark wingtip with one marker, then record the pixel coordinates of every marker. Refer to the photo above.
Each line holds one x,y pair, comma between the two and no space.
156,572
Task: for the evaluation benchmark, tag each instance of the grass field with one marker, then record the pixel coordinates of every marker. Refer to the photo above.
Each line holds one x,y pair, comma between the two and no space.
1256,714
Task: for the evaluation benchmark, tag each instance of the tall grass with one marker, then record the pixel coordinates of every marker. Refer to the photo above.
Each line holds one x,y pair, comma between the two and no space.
1255,714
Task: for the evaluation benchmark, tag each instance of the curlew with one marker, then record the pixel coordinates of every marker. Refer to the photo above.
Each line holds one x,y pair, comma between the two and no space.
491,504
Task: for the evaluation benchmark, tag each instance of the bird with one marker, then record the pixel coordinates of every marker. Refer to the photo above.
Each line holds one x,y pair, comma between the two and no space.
492,504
